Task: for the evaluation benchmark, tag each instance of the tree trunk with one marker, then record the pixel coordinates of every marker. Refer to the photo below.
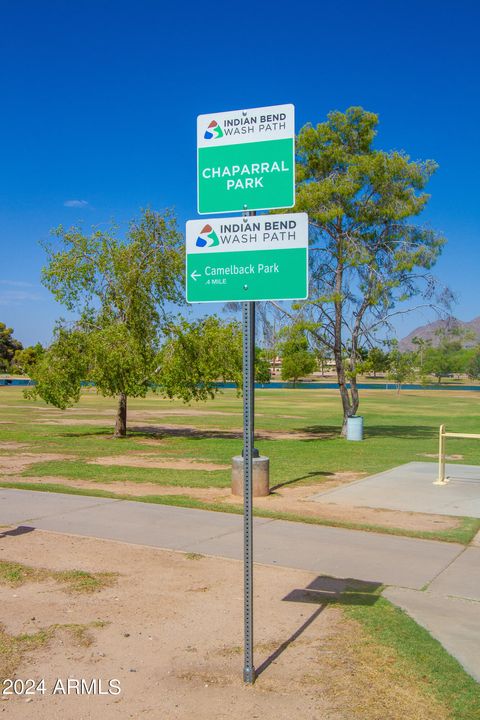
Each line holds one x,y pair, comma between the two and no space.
121,419
337,348
350,402
346,413
350,399
354,398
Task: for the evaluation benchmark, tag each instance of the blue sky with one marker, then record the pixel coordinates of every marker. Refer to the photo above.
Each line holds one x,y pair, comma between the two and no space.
99,103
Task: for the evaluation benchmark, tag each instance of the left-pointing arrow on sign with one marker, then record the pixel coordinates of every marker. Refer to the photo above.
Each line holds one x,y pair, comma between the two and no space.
194,275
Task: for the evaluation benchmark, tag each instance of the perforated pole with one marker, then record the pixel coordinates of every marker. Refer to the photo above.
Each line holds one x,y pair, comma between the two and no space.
248,312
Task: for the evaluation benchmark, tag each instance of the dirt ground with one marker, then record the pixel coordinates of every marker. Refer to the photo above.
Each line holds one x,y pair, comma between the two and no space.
154,461
169,630
283,498
21,460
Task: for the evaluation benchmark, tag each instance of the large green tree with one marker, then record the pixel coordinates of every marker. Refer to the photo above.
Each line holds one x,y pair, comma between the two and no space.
367,257
26,358
422,346
376,361
197,355
473,365
444,360
8,347
401,366
297,358
262,366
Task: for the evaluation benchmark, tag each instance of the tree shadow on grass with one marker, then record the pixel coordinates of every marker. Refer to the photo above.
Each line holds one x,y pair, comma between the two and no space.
313,433
410,432
297,434
321,432
160,432
90,433
322,592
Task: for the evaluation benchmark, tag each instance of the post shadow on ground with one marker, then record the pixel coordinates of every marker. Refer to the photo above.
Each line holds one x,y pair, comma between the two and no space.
308,476
20,530
322,591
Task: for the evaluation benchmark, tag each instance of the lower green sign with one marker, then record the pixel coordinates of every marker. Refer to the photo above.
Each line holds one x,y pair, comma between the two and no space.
251,258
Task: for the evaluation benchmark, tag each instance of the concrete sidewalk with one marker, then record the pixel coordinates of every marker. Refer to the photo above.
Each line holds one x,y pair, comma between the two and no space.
453,622
367,556
447,569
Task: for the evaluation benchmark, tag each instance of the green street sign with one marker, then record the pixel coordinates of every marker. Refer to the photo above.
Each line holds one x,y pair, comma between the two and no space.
246,160
262,257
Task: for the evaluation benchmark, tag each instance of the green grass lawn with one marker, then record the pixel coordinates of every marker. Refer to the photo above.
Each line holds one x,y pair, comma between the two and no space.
398,429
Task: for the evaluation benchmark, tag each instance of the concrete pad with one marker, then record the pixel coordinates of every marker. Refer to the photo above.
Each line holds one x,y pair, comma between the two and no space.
462,577
410,488
22,506
453,622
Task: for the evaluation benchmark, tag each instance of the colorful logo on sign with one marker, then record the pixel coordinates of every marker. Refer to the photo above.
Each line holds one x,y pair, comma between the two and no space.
207,238
214,131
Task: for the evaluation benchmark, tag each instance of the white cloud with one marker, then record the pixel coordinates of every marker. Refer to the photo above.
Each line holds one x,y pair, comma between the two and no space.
17,297
16,283
75,203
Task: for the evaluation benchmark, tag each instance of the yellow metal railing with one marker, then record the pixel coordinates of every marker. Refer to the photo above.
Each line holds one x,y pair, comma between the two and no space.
442,479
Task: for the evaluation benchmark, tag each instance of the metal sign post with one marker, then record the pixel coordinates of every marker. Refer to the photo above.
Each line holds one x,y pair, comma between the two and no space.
246,159
249,452
248,312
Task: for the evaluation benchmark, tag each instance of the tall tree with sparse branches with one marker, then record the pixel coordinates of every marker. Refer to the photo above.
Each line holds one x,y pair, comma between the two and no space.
368,260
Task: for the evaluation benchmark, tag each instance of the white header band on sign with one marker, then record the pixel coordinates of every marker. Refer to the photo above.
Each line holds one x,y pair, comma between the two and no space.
237,234
276,122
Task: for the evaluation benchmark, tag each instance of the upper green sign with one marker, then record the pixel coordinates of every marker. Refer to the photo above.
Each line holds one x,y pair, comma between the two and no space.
246,160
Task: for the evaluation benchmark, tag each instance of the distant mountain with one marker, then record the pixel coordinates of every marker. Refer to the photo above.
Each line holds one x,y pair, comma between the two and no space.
428,332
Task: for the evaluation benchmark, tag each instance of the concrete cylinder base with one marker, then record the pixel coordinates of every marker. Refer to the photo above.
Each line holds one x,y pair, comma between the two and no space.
260,480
